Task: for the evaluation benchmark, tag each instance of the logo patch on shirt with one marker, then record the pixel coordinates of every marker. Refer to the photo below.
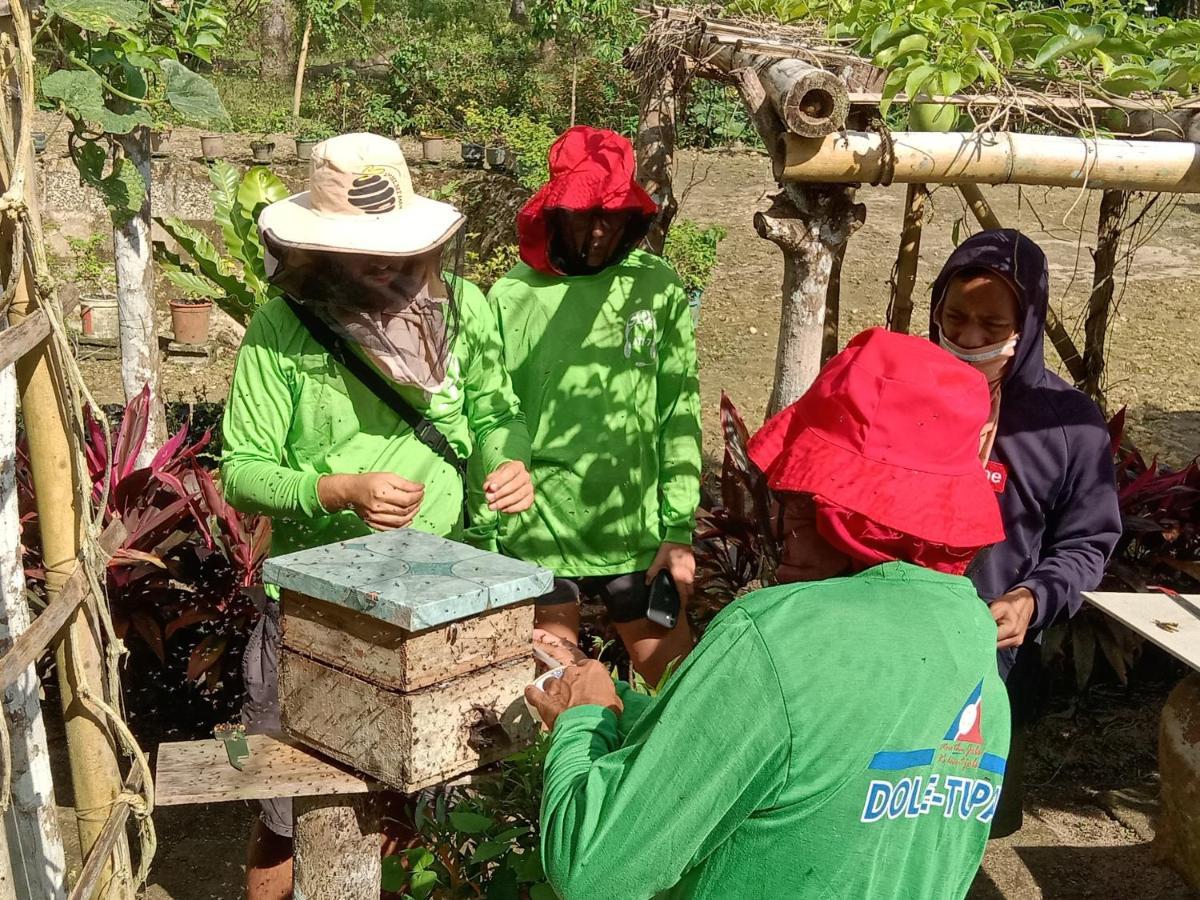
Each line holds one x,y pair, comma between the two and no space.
641,338
997,475
964,796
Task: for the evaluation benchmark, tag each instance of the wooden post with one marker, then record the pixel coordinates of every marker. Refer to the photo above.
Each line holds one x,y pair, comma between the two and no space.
810,224
655,145
31,823
58,485
1108,237
301,63
135,301
337,849
1059,337
900,309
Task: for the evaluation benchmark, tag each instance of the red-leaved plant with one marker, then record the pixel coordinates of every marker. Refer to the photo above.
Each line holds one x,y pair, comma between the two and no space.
737,543
187,554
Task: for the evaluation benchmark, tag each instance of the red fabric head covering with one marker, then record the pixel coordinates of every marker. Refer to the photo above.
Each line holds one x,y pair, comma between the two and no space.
887,441
590,168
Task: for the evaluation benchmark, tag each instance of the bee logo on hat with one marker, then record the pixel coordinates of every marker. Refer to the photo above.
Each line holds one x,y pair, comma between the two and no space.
375,190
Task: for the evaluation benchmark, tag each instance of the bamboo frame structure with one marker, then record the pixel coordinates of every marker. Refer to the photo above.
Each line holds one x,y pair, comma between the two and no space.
995,158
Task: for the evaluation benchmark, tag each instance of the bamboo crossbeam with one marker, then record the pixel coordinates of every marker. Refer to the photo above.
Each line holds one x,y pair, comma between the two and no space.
1070,104
18,340
1002,158
114,827
32,643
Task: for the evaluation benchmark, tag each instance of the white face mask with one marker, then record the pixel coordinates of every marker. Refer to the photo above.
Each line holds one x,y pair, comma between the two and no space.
990,360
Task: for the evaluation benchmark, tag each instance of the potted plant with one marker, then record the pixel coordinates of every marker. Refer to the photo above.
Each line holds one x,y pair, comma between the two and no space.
40,138
307,137
263,149
161,127
497,157
692,252
476,132
190,317
212,147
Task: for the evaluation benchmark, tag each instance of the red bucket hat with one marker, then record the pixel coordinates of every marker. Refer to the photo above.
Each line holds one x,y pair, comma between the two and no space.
890,430
590,168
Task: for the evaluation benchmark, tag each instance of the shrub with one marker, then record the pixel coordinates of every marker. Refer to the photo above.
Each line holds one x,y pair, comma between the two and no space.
692,251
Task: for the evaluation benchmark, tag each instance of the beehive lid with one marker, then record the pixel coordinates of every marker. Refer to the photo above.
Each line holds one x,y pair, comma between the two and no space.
408,578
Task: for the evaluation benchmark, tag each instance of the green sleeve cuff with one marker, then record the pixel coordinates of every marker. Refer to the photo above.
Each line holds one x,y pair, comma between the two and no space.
310,500
678,534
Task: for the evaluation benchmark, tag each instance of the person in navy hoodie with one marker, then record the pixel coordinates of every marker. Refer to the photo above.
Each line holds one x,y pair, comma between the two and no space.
1047,453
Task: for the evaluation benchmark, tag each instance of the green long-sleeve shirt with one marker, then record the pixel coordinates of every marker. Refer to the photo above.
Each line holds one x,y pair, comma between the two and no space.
295,414
843,738
605,369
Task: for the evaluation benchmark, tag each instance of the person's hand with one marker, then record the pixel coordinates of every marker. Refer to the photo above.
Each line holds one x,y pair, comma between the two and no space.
679,560
509,489
381,499
1013,612
587,684
563,653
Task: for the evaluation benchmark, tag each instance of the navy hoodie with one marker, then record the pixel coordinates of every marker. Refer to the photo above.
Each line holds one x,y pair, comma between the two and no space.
1059,502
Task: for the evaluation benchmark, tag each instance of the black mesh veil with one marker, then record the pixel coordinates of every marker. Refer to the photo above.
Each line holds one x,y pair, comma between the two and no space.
572,260
404,312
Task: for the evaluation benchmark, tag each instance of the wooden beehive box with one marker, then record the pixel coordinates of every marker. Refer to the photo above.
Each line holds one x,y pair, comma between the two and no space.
406,655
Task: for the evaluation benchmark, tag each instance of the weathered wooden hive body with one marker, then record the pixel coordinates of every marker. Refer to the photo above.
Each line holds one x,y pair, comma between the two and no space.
406,655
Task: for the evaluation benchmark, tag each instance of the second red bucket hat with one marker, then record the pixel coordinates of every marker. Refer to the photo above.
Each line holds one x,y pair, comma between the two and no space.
890,429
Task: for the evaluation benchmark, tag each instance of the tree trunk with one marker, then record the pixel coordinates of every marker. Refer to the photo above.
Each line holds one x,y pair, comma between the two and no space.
901,307
337,848
300,64
30,824
656,153
574,81
809,226
135,301
1108,238
275,39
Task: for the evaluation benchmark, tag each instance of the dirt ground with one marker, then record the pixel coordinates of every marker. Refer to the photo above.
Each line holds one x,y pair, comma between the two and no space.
1087,833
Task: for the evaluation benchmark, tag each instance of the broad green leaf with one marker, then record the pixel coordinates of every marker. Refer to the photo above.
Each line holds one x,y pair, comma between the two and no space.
193,96
951,82
1181,76
1063,45
419,858
191,284
488,851
915,83
1123,46
100,16
393,874
469,822
891,87
1054,22
1179,34
422,883
1124,80
367,8
82,93
259,187
914,43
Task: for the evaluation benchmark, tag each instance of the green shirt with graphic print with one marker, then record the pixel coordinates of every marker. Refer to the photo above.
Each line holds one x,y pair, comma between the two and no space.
605,369
295,414
833,739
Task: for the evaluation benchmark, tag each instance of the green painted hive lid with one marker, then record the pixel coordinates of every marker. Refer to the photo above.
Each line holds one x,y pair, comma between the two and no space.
408,578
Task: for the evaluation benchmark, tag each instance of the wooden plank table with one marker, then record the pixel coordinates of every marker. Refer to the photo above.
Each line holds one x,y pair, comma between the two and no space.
1172,624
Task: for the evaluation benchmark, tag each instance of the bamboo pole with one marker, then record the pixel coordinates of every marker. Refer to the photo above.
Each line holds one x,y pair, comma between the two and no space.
1059,336
301,63
58,486
810,101
900,309
1002,158
1108,237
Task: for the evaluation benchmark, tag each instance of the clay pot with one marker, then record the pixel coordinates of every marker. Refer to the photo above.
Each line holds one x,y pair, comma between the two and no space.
98,316
304,148
160,143
263,150
189,321
473,155
497,157
432,147
212,146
